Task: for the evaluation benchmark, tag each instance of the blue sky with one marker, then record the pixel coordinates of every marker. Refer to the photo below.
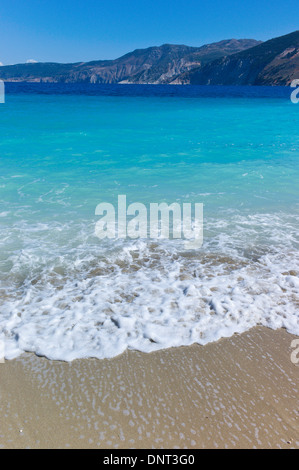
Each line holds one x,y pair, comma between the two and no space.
82,30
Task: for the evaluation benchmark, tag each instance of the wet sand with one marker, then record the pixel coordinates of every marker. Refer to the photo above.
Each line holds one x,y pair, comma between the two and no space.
240,392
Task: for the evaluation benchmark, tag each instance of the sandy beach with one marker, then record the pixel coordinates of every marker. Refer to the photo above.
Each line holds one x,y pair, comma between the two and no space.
239,392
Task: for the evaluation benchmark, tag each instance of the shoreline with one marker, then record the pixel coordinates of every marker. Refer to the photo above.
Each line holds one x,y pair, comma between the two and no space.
238,392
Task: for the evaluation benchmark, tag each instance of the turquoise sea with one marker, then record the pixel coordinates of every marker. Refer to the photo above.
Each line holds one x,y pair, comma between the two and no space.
64,149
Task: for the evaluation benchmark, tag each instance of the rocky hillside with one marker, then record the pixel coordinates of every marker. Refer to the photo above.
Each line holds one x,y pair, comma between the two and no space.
274,62
152,65
171,61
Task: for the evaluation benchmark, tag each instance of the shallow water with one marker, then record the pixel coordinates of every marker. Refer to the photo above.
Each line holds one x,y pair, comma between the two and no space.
64,149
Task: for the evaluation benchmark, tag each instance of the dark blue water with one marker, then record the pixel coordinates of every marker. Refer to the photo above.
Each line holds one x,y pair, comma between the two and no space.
186,91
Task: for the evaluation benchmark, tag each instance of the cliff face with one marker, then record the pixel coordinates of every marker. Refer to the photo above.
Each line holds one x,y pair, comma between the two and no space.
171,61
152,65
274,62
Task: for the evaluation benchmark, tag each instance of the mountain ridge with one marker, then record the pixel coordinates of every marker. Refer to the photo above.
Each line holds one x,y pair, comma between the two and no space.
273,62
156,64
226,62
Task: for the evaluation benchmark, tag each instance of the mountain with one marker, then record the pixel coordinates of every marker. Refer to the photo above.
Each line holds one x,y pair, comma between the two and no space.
274,62
170,60
152,65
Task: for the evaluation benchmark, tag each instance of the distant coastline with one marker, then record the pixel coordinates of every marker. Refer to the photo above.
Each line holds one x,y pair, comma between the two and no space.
228,62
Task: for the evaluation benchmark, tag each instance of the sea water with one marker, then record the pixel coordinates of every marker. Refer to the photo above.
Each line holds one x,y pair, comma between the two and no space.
64,149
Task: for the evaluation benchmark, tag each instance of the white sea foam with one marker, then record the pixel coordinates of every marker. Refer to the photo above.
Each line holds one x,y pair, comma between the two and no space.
65,295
